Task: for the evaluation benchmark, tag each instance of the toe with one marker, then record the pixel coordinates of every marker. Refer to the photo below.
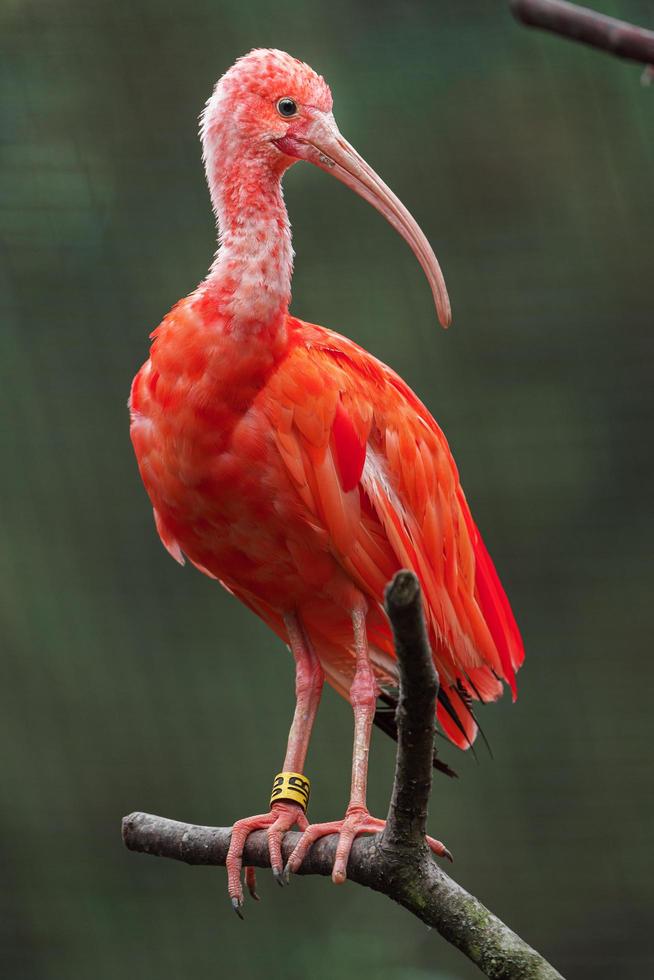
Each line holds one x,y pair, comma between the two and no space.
240,833
339,873
288,815
313,833
345,841
439,849
275,851
251,882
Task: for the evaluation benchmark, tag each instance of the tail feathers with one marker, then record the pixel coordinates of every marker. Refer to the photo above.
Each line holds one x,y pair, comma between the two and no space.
455,717
497,612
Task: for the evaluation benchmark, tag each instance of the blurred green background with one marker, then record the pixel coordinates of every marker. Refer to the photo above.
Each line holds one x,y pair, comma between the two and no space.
129,683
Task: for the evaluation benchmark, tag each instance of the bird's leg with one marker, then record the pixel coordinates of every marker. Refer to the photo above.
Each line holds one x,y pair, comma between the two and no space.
357,820
309,680
363,697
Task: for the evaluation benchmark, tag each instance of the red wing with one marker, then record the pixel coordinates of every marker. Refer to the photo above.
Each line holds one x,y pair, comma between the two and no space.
412,484
376,476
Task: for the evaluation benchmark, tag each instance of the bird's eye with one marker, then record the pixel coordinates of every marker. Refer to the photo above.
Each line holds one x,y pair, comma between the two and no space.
286,107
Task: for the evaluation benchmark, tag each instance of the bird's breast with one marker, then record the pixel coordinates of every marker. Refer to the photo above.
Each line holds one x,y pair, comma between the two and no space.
211,467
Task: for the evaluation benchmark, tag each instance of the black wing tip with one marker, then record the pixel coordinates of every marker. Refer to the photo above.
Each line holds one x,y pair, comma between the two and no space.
385,720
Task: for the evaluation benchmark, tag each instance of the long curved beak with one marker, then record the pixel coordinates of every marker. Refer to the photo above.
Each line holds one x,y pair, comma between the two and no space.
331,152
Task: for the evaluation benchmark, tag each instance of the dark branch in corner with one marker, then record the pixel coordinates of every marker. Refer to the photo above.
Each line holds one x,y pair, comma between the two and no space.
588,27
396,863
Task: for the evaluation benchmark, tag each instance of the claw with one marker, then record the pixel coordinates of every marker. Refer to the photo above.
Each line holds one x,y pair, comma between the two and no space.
251,882
277,821
287,875
448,854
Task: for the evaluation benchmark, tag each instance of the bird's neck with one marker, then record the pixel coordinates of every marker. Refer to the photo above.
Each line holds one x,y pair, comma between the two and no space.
251,274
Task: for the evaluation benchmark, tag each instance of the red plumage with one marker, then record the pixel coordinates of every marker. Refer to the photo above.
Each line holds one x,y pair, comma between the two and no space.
294,467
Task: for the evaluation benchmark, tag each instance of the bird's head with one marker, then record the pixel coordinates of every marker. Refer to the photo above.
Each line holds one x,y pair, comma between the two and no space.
274,110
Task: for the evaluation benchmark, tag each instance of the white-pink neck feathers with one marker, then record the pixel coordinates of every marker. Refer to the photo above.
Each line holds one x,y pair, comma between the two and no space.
254,261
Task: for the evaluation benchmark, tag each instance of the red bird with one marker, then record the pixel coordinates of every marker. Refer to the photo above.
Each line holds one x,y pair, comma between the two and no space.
299,471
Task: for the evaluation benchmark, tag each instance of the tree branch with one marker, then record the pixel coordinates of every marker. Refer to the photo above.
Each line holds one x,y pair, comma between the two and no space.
407,816
397,862
587,26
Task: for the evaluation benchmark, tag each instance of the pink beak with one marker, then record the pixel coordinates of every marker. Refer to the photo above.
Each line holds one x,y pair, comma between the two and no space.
322,144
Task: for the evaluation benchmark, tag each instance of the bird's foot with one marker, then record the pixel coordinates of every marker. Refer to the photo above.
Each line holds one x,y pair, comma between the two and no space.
357,821
282,817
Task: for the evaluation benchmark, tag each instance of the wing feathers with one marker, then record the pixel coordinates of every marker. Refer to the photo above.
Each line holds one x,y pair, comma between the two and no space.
373,468
349,449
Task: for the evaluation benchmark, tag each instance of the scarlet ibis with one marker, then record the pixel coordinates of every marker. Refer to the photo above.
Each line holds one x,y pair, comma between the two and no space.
298,470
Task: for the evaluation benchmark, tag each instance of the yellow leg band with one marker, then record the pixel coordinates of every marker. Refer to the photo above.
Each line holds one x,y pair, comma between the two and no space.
291,786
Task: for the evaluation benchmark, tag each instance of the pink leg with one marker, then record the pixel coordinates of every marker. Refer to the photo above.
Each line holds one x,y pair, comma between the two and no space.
309,679
363,697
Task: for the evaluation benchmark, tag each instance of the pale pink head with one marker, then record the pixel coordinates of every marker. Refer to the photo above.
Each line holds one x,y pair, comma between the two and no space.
271,110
